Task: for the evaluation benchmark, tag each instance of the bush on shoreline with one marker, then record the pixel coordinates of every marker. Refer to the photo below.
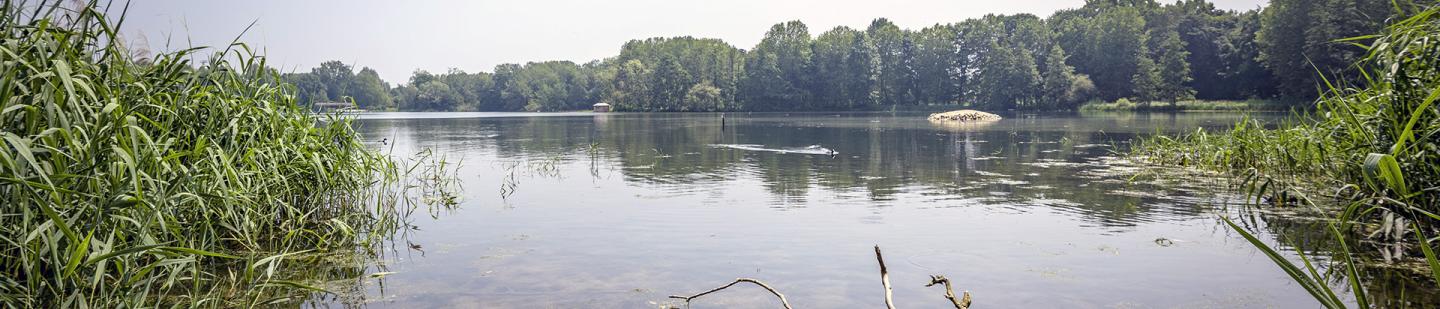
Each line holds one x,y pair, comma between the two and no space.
1189,105
162,182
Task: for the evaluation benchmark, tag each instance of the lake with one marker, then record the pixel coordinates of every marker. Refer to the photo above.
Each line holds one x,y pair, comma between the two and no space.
563,210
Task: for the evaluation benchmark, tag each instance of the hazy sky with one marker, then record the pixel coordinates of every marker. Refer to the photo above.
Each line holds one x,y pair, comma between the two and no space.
398,37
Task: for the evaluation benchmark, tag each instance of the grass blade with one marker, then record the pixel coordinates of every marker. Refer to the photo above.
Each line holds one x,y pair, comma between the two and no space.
1317,289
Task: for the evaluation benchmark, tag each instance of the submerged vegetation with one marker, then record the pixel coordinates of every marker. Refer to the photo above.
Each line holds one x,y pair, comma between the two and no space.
1373,147
131,181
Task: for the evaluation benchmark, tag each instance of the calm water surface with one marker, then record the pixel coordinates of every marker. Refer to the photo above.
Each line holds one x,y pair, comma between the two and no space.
622,210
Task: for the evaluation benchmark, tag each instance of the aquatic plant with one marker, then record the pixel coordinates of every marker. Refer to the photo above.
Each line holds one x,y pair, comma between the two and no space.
164,181
1373,149
1377,142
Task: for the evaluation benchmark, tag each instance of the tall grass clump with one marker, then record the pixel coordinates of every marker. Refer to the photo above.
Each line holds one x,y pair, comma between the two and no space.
164,182
1372,149
1377,142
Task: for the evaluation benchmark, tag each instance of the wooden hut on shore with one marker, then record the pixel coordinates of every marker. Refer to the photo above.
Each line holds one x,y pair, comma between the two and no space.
601,107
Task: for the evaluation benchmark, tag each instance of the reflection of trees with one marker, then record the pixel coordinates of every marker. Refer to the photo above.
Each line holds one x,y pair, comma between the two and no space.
880,158
884,159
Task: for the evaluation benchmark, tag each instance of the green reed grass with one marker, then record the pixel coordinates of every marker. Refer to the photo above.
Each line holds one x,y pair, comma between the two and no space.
165,182
1378,142
1373,148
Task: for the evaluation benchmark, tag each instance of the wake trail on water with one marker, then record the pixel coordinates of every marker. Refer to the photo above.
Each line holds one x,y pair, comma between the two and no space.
809,150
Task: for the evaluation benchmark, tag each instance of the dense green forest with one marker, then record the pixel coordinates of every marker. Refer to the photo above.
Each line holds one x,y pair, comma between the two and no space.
1138,50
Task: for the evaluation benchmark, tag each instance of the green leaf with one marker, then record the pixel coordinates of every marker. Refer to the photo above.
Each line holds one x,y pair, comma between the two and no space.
63,71
136,249
1317,288
77,254
22,147
1429,252
1409,131
1383,167
1354,272
199,252
54,216
296,285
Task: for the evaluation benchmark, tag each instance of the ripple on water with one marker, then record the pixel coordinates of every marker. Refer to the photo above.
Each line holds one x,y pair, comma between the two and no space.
706,205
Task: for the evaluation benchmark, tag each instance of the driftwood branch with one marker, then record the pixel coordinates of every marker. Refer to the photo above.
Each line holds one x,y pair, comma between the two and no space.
767,287
962,303
885,279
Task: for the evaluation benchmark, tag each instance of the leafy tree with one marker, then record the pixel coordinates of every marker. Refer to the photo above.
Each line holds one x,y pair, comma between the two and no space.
435,95
1106,49
1147,81
1282,44
337,78
1061,88
671,83
335,81
704,96
936,65
1173,72
1105,40
631,86
505,94
895,83
764,87
309,89
844,68
1297,39
703,60
1008,78
1202,28
778,72
369,91
1115,45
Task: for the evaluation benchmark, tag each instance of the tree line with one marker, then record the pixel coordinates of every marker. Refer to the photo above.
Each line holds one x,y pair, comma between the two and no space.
1140,50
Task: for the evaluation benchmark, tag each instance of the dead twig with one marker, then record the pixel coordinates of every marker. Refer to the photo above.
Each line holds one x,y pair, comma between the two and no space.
767,287
885,279
960,303
963,303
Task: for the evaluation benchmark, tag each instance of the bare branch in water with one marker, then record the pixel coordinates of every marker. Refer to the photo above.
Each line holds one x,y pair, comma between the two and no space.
885,280
962,303
767,287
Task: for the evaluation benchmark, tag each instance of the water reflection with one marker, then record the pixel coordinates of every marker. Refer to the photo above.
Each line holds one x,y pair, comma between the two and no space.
1033,161
1032,210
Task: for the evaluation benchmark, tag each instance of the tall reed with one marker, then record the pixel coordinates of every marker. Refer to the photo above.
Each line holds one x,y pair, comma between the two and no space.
1373,150
1377,142
163,182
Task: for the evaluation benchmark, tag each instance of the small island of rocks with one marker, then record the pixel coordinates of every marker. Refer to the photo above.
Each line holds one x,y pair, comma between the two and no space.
964,115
